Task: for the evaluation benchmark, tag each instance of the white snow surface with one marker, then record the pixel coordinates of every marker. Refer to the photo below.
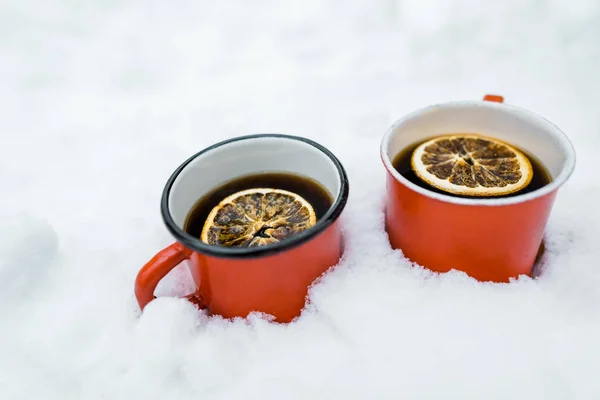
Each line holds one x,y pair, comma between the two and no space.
102,100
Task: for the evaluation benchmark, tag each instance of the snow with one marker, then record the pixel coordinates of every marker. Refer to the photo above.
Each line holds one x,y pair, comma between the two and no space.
101,101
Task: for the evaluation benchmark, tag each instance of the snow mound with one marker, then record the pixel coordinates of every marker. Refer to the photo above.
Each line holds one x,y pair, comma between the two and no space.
28,247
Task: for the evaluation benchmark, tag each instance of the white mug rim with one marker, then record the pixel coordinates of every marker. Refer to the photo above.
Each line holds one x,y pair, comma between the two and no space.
557,182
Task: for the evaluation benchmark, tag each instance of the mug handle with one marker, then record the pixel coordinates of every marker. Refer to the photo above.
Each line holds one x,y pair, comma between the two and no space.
493,97
156,269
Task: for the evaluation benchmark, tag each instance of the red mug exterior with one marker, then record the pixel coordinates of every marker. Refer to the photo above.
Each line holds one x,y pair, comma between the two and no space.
489,239
274,279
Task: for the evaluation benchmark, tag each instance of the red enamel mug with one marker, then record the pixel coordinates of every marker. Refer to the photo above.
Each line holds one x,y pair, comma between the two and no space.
490,239
233,282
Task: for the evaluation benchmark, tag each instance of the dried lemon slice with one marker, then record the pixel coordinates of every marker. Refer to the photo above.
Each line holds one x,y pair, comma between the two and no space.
257,217
471,165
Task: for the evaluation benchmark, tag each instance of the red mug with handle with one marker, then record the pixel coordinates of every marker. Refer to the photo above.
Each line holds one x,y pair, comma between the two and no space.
272,279
490,239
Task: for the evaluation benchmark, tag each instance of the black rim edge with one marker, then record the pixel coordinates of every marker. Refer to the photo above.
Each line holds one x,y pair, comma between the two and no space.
194,243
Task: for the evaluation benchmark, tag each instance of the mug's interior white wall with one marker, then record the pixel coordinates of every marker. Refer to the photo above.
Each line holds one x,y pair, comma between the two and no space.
243,157
532,134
